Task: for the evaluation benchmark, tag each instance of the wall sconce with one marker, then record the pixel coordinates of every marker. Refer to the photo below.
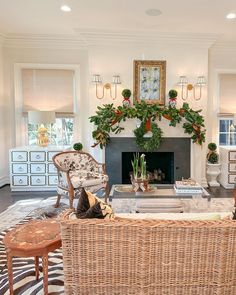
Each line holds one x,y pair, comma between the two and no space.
186,87
98,80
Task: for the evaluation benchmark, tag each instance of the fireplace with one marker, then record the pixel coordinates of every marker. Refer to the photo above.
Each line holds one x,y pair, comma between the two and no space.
172,158
160,166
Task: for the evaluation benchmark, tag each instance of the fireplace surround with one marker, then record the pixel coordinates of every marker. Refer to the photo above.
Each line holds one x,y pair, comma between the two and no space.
178,148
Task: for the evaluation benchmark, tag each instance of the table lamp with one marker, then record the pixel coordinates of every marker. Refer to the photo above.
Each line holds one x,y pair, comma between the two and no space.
41,118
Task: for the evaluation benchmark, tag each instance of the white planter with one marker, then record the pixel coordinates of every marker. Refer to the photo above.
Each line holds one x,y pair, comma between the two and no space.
213,171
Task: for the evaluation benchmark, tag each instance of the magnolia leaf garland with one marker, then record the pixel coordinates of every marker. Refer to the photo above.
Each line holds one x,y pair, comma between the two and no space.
108,117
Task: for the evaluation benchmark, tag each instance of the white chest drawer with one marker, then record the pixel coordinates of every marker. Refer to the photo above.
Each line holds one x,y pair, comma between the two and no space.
37,180
19,156
52,180
21,168
37,168
37,156
20,180
232,156
232,167
51,154
52,169
232,178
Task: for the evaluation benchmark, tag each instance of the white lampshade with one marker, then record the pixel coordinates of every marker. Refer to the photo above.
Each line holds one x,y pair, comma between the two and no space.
183,81
41,117
116,79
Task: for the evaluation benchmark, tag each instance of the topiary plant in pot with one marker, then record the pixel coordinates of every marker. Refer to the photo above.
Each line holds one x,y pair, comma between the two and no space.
126,93
213,165
78,146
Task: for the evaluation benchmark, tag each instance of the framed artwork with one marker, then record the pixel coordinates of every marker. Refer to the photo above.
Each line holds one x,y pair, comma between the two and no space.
150,81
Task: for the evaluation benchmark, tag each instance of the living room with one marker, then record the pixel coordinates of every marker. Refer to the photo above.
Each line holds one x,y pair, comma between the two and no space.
187,40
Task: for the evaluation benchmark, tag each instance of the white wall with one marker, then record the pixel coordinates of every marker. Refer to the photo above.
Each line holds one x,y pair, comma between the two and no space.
3,128
182,59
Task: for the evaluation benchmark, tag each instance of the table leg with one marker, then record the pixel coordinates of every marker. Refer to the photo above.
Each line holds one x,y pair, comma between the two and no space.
10,273
36,262
45,273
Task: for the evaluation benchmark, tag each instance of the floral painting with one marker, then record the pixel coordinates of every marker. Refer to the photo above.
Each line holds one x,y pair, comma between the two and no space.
149,81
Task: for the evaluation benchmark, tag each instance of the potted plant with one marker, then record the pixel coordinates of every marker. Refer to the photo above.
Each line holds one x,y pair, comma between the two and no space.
78,146
126,93
139,177
213,165
172,98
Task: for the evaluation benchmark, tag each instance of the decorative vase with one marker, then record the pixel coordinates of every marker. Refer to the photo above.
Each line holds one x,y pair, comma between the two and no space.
140,184
126,102
173,102
213,171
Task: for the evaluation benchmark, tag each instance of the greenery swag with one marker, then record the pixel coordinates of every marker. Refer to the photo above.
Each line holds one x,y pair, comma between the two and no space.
108,118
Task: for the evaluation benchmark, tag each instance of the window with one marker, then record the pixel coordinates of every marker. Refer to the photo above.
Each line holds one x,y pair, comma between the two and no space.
227,132
50,90
60,133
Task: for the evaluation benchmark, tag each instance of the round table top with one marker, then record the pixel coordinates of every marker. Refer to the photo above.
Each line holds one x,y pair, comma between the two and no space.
33,235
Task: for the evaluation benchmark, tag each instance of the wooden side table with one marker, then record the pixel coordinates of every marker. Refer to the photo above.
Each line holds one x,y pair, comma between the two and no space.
35,238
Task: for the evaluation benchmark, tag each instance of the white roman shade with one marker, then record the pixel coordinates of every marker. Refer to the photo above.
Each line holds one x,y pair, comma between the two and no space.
227,94
48,90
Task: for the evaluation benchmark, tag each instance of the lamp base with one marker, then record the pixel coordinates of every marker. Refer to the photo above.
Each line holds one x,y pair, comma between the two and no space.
43,139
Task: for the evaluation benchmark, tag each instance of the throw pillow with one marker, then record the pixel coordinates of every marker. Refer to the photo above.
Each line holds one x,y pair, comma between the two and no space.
90,206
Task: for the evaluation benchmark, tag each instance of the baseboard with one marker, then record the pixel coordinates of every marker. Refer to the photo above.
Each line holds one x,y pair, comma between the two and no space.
4,180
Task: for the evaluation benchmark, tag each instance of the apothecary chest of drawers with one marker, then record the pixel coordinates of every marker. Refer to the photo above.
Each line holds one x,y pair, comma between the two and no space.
228,167
32,169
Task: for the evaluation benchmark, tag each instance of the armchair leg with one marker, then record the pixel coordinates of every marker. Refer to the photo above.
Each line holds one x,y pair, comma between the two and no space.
58,201
71,199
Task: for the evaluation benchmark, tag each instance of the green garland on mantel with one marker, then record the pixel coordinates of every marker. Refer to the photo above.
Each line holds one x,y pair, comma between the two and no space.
108,117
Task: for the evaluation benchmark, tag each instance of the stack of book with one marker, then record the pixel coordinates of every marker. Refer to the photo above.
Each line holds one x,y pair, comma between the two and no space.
182,187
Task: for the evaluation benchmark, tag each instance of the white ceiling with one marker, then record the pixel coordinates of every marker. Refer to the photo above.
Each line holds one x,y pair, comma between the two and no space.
178,16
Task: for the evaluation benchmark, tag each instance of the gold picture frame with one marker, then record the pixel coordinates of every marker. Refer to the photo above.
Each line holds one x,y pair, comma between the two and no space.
150,81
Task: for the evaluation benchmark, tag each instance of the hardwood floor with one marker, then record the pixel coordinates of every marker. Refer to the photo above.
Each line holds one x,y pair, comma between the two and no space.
7,198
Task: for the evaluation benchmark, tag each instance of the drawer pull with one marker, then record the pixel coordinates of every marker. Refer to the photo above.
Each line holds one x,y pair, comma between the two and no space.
38,169
38,180
19,157
38,157
20,181
55,180
20,169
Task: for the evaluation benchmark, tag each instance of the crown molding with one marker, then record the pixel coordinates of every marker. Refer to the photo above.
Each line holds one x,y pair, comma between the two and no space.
95,37
223,47
84,38
44,41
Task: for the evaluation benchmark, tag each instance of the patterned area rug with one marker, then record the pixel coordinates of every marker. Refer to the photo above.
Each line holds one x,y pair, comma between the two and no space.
23,268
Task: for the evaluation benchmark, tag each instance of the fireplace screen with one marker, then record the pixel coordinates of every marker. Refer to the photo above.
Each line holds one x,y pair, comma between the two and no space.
160,167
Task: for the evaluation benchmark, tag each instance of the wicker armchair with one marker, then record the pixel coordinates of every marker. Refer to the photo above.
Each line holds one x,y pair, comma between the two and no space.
142,257
76,170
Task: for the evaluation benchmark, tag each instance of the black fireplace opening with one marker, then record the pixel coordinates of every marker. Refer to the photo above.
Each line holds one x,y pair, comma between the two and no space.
160,166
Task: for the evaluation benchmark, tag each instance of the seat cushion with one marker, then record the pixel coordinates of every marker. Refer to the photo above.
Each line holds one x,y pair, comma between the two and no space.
83,178
90,206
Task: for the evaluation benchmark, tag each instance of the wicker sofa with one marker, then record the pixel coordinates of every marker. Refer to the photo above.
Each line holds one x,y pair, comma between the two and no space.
147,257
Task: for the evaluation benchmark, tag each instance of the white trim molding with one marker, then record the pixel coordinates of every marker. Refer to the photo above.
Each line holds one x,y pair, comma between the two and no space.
84,38
4,180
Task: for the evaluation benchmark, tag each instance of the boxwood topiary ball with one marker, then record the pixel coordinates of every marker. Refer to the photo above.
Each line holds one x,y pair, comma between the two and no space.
78,146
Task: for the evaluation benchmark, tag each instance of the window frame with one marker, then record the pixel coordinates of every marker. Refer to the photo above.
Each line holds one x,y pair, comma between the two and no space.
21,120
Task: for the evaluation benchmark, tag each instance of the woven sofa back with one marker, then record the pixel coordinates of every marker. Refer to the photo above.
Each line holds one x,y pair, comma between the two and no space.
149,257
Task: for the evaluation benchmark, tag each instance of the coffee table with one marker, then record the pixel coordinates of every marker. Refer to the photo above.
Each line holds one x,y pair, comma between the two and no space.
34,238
124,200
